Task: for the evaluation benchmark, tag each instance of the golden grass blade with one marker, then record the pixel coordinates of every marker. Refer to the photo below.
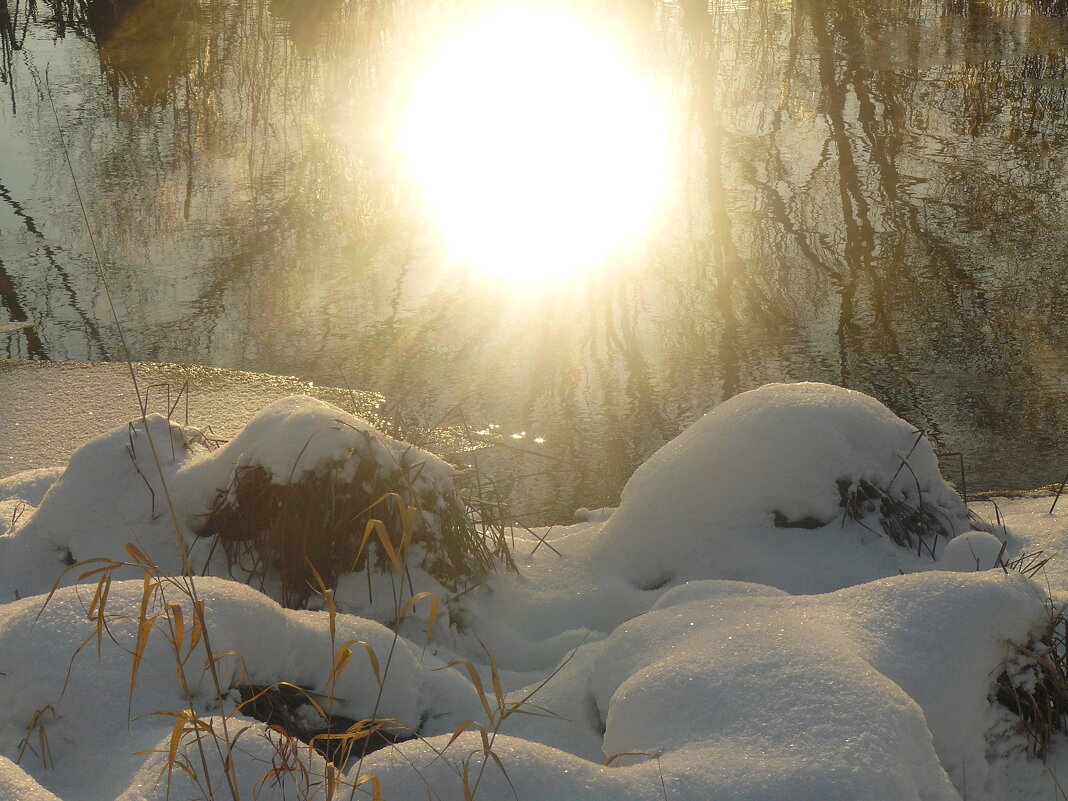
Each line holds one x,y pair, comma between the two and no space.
407,515
328,596
435,608
500,766
498,689
97,609
467,724
476,680
468,795
376,785
331,781
177,617
139,556
144,628
373,657
387,544
307,697
178,731
341,661
369,530
198,631
109,564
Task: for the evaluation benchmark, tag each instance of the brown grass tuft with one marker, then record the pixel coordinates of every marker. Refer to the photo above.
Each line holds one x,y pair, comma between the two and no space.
319,524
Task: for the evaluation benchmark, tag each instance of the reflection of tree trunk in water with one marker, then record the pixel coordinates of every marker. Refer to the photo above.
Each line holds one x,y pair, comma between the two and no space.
10,300
858,231
859,78
904,217
31,227
639,387
900,216
779,214
726,261
8,45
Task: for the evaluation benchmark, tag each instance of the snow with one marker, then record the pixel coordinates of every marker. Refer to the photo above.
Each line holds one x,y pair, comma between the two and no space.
726,632
17,785
708,500
973,550
294,435
121,486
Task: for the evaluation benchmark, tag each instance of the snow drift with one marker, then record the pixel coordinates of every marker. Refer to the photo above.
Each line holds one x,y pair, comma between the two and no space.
795,485
738,627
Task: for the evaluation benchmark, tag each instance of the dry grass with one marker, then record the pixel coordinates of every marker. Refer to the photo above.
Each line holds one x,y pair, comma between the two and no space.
200,747
1034,684
906,523
320,525
36,739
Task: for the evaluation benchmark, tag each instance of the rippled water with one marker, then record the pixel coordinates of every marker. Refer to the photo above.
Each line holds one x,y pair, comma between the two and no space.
867,193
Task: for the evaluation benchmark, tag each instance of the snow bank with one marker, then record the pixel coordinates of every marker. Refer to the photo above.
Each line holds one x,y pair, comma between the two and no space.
110,493
121,487
90,721
684,647
721,690
296,435
754,491
739,691
17,785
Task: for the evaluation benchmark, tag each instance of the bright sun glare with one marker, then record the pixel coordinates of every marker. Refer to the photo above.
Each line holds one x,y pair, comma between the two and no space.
538,148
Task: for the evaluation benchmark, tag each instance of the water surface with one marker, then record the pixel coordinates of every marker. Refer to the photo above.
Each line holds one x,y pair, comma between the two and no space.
866,193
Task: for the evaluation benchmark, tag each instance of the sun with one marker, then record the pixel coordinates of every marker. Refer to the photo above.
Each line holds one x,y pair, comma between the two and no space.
538,148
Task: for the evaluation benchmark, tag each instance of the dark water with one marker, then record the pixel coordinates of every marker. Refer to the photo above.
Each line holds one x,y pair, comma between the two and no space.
867,193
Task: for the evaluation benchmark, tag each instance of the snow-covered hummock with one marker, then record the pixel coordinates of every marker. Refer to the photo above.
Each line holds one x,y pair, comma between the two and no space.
94,728
823,675
299,434
741,691
971,551
121,486
707,502
746,692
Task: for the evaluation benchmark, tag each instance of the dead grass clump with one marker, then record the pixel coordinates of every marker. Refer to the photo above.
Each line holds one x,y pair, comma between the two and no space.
346,516
1033,685
906,521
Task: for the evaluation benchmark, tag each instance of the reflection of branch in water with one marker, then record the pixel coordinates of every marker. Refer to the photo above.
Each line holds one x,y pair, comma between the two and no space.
143,44
28,222
10,300
10,43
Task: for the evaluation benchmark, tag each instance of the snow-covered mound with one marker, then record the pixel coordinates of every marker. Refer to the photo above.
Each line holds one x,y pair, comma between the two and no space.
122,487
723,689
82,697
782,485
297,435
971,551
740,691
110,493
